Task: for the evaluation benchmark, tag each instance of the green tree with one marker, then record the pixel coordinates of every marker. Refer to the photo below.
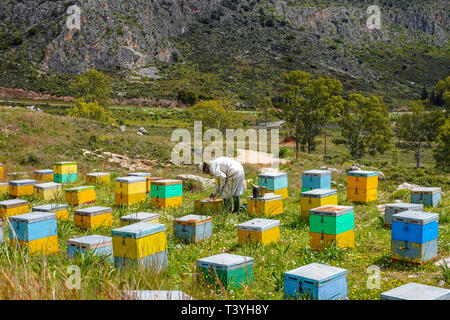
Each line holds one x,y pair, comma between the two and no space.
424,94
213,114
443,92
92,85
266,108
188,97
90,110
441,153
365,126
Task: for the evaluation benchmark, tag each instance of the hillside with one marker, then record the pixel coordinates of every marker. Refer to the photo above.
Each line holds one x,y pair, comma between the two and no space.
225,48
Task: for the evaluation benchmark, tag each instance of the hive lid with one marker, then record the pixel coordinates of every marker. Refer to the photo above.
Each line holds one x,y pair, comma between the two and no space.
167,182
33,217
92,211
44,171
13,203
192,218
268,197
80,189
426,190
362,173
140,216
415,217
226,260
405,206
331,210
50,207
320,173
23,182
138,230
155,295
139,174
97,174
65,163
272,175
416,291
90,242
317,272
130,179
155,178
259,225
47,185
318,193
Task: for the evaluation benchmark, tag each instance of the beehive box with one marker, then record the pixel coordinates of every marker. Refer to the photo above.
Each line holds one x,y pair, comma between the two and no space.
209,206
44,175
18,188
48,191
233,271
362,186
65,172
331,223
416,291
193,228
139,217
93,244
316,198
141,244
269,205
4,188
61,210
93,217
276,183
362,195
80,195
9,208
146,175
414,236
167,193
98,177
393,208
259,230
2,171
428,196
1,233
155,295
130,190
316,179
316,281
37,230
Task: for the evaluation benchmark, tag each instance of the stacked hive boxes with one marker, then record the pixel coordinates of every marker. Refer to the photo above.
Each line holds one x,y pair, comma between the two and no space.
414,236
416,291
65,172
37,230
155,295
80,195
141,244
316,198
93,244
193,228
362,186
98,177
18,188
427,196
3,188
167,193
393,208
14,207
276,183
93,217
316,179
130,190
145,175
232,271
209,205
61,210
332,223
270,204
44,175
259,230
316,281
48,190
139,217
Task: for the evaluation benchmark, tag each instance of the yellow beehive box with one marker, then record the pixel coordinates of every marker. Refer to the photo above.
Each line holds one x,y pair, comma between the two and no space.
2,172
362,195
269,205
130,185
259,230
316,198
342,240
173,202
48,191
61,210
209,205
45,246
80,195
45,175
147,176
13,207
4,187
18,188
98,177
362,179
139,217
65,167
130,199
281,192
93,217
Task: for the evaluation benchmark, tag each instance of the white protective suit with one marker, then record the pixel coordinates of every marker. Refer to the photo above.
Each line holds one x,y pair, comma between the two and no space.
230,174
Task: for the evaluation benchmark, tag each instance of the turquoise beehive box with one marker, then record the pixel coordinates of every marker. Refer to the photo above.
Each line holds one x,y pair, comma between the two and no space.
332,221
32,226
416,291
166,191
273,181
430,197
93,244
316,179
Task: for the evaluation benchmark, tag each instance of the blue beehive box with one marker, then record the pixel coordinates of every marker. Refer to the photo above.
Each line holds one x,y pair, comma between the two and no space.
95,244
393,208
316,179
273,180
193,228
33,226
316,281
416,291
428,196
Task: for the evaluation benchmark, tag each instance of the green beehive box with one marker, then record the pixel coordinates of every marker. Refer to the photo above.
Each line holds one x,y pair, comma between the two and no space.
331,219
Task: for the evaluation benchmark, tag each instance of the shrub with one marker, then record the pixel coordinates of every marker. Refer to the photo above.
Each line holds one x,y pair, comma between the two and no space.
90,110
402,194
188,97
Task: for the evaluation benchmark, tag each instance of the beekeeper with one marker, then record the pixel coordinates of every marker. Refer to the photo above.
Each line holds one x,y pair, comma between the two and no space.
230,175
